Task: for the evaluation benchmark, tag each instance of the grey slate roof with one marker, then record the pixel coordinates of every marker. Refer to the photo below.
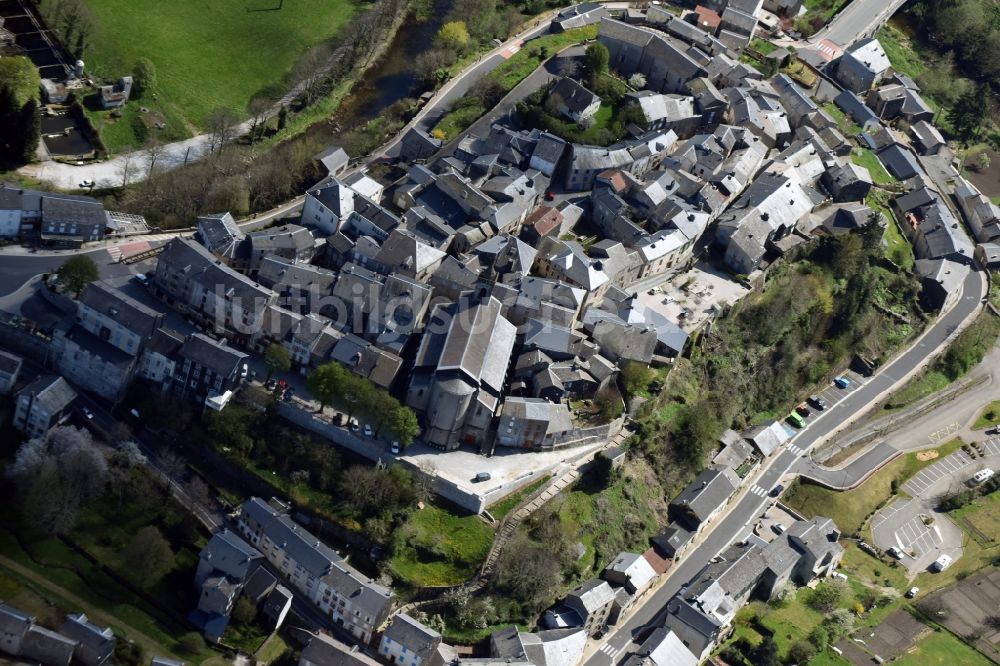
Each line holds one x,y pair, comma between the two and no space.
709,491
122,308
417,638
52,392
228,553
573,94
206,352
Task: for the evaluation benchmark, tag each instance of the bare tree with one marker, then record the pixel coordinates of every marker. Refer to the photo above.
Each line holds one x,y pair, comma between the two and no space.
258,108
220,124
126,167
154,149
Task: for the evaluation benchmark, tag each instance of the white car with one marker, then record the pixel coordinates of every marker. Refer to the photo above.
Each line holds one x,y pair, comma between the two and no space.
86,184
354,425
941,563
368,431
982,475
86,412
912,592
394,448
244,371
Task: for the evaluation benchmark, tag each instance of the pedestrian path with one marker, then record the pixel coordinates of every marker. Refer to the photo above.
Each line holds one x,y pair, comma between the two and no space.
758,491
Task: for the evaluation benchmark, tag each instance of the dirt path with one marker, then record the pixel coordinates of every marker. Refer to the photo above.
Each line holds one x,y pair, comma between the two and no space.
100,617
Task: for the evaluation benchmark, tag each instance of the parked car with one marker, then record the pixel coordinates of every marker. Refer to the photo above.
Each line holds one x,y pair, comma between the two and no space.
817,402
550,196
86,412
244,371
982,475
895,552
368,431
778,528
777,490
796,420
394,448
842,382
142,279
803,410
355,426
289,394
483,476
941,563
271,384
282,385
912,592
86,184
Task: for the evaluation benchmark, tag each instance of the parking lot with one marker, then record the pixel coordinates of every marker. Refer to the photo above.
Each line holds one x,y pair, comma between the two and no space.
949,466
913,525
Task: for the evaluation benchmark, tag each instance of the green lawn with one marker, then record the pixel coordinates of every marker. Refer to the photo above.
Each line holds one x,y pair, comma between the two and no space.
984,420
507,504
438,547
842,119
210,54
941,648
850,508
763,46
866,158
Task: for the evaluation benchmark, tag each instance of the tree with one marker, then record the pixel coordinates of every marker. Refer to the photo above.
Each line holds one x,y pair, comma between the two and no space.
259,107
402,425
967,114
282,118
453,35
637,81
825,597
276,359
77,272
59,476
983,161
191,643
221,128
819,638
596,59
31,127
148,557
143,77
636,377
529,573
244,612
801,652
766,653
326,382
20,75
603,469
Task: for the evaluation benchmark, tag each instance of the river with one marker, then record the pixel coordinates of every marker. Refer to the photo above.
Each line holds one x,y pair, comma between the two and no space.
393,77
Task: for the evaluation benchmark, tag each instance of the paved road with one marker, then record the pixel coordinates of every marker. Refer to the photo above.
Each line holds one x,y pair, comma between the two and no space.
857,20
737,521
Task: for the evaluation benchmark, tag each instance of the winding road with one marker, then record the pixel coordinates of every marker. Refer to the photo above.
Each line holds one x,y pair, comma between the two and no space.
738,519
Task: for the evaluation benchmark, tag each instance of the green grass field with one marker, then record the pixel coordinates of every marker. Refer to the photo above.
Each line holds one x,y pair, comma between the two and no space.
866,158
211,54
437,547
938,649
985,420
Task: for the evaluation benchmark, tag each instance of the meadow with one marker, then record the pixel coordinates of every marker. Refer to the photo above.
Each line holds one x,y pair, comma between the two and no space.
215,54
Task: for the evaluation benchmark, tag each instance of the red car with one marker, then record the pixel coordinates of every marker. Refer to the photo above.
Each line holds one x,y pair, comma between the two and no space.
282,385
550,196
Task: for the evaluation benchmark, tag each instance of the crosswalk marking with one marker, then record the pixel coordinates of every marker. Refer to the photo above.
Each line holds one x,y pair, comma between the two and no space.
115,252
610,649
794,449
758,491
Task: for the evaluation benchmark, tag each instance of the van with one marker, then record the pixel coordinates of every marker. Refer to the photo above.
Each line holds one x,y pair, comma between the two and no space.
941,563
982,475
796,420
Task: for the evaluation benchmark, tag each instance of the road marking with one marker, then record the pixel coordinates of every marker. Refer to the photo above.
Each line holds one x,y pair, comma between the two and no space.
115,252
610,650
796,450
757,490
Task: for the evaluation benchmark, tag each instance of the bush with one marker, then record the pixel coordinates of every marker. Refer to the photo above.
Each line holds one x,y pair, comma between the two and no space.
801,652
